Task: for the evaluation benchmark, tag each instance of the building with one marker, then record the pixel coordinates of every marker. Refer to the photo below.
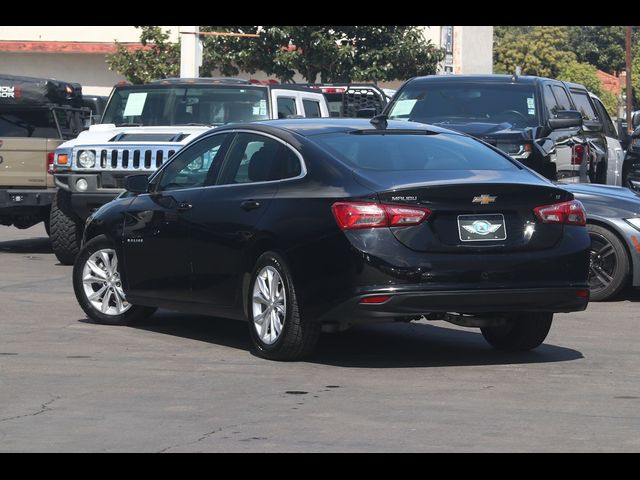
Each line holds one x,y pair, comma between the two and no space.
71,53
78,53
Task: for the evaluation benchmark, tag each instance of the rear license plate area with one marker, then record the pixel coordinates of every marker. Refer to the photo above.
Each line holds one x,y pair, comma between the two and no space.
482,228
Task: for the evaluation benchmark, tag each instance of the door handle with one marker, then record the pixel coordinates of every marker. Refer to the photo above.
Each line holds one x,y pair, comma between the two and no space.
250,205
184,207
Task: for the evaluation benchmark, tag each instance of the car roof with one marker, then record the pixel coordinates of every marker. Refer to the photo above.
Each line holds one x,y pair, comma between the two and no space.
495,78
315,126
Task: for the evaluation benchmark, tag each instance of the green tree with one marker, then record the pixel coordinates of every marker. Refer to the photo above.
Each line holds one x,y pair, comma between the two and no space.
158,58
538,51
586,74
332,53
602,46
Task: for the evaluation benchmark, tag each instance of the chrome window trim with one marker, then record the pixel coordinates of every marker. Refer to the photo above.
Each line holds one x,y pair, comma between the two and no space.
303,166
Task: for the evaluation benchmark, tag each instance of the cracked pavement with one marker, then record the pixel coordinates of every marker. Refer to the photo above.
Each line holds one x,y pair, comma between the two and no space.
185,383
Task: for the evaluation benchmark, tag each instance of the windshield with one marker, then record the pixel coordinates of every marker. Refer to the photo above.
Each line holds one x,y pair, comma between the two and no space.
464,103
186,105
397,152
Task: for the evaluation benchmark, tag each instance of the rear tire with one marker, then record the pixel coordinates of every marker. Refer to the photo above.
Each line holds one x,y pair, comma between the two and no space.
609,265
117,311
523,331
66,229
278,329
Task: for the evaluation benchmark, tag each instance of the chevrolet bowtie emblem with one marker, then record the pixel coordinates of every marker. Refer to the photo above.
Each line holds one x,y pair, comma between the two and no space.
484,199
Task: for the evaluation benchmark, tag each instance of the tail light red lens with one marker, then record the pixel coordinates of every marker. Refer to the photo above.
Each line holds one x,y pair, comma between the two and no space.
375,300
50,157
578,154
355,215
568,213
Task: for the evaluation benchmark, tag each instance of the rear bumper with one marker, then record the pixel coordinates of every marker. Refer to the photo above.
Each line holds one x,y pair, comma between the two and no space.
415,303
17,200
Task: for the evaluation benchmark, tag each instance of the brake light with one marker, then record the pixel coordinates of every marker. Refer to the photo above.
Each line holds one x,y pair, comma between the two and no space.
375,300
578,154
333,89
355,215
50,158
568,213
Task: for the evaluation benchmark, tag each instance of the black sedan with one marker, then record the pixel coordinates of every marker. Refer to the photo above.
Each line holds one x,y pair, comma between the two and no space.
302,226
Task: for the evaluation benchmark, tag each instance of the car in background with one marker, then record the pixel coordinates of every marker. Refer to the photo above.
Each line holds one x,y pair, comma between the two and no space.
631,168
615,152
302,225
613,221
535,120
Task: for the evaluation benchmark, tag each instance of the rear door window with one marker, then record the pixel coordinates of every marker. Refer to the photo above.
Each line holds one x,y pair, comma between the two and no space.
311,108
607,123
583,105
257,158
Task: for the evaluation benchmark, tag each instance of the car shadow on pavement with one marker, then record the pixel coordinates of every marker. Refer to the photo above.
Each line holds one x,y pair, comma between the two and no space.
27,245
392,345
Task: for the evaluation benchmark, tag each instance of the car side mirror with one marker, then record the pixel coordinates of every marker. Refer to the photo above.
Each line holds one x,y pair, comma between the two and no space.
366,113
566,119
137,183
635,119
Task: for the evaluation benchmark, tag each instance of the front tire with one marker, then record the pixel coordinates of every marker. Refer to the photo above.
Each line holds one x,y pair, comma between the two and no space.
278,329
609,264
65,229
524,331
98,288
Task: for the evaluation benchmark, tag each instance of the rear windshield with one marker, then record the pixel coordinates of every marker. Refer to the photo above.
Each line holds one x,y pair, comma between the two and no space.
462,102
395,152
33,123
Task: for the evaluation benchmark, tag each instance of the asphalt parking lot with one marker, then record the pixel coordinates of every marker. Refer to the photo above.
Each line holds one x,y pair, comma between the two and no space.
180,383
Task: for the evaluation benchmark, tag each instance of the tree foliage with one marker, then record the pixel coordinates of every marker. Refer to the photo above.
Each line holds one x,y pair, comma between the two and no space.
541,51
158,58
586,74
324,53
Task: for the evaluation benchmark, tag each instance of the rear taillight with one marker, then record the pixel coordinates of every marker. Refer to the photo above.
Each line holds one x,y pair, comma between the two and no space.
50,158
569,213
354,215
578,154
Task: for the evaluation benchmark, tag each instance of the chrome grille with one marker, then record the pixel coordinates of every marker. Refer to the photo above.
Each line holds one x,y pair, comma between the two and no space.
109,158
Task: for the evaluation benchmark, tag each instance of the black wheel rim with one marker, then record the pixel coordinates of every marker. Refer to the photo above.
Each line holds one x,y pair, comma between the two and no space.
603,264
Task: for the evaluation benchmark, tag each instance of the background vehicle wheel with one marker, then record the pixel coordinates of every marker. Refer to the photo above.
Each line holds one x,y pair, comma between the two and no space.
523,331
609,265
277,328
66,229
97,285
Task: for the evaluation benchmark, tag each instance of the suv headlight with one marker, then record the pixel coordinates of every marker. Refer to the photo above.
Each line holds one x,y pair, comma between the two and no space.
87,158
519,151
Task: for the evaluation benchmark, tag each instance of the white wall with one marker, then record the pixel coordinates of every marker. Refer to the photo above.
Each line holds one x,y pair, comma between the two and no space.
91,71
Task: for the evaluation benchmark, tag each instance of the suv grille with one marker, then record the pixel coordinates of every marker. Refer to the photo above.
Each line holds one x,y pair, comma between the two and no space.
132,158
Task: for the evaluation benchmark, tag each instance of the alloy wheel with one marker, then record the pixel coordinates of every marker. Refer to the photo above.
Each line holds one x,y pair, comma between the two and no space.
603,262
102,284
269,303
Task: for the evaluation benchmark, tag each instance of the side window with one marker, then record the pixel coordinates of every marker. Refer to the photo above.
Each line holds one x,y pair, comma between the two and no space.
609,128
311,108
583,105
563,99
286,106
191,167
256,158
550,101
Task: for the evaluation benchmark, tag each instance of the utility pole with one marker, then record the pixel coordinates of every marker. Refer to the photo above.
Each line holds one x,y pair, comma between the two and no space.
190,52
191,49
629,88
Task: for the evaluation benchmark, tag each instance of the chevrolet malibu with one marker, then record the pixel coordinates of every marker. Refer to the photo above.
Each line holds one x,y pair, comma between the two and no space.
303,226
